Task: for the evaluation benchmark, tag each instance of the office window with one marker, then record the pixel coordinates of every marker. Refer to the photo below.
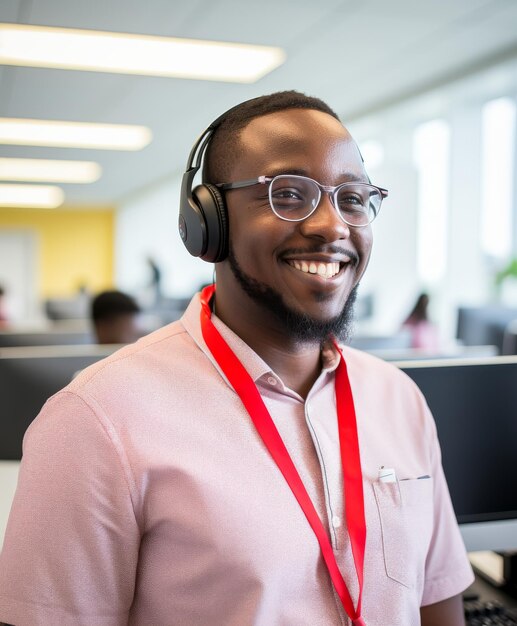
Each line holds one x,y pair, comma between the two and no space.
431,146
497,165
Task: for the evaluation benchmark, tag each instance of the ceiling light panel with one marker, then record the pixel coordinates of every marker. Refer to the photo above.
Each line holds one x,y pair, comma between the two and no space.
31,196
26,132
49,171
97,51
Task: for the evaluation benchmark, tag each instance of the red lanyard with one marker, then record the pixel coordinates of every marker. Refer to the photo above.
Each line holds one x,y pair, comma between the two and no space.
247,391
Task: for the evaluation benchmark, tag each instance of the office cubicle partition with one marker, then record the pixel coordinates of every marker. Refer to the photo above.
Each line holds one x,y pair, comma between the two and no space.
28,376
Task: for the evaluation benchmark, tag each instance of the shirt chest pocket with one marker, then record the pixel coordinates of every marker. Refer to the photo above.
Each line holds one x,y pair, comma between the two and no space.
406,518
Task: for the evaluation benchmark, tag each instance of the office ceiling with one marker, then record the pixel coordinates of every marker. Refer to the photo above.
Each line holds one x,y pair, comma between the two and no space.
357,55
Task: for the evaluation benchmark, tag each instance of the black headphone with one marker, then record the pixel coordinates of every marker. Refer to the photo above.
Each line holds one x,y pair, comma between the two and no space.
203,219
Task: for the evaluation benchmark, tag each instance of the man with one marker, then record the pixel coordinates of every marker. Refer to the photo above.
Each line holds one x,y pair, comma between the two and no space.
196,477
115,318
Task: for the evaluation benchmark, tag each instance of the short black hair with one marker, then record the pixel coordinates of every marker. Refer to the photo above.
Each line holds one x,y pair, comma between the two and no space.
110,304
223,148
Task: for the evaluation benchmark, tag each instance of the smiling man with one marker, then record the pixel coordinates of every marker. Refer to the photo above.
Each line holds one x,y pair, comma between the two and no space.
294,262
242,466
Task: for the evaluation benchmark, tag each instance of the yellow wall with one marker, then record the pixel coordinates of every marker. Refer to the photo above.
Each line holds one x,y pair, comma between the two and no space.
74,247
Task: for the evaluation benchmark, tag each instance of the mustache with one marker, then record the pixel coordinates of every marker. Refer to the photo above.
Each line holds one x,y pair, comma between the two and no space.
328,249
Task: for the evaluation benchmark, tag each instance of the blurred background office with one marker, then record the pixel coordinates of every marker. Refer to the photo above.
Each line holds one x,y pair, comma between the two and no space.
96,125
429,92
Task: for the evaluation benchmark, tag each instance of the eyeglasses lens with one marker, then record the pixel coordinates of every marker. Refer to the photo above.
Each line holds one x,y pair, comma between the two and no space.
294,198
358,204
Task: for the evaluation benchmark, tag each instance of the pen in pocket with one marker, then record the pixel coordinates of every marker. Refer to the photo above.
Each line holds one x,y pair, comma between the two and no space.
387,475
417,478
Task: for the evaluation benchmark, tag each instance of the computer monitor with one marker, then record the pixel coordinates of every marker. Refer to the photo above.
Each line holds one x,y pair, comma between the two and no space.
474,403
484,325
68,308
14,339
369,343
28,376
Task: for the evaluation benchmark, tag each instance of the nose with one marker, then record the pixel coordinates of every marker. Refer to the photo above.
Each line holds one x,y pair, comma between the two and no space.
325,223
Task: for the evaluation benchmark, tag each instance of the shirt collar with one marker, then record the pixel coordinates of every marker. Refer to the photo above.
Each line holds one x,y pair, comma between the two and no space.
252,362
254,365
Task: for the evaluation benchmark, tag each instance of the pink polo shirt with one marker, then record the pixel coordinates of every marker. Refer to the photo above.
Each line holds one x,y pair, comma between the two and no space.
146,497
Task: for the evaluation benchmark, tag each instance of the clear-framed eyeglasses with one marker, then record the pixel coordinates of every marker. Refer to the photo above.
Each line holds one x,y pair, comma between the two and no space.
294,198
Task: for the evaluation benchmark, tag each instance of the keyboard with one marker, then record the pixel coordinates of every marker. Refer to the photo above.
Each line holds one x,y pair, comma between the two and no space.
478,613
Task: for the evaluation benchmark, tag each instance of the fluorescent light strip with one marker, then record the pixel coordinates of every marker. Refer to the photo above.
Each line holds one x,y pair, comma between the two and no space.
97,51
28,132
49,171
31,196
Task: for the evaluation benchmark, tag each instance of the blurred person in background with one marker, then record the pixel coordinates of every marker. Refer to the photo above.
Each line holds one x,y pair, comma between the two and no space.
156,280
4,318
115,318
424,334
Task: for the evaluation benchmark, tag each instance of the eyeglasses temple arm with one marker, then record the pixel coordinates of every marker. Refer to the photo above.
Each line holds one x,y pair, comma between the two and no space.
243,183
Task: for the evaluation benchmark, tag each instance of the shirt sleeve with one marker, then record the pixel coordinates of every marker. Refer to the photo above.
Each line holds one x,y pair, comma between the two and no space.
71,544
447,571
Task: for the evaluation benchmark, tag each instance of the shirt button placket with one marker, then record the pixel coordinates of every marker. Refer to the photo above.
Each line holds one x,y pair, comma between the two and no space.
344,620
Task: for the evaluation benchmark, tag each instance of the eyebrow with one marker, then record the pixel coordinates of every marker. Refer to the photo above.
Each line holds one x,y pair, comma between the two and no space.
347,177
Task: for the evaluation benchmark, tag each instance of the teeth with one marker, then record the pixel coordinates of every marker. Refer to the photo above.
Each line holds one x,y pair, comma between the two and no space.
322,269
325,270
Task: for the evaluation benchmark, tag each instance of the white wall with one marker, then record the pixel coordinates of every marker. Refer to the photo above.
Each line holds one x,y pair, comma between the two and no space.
147,226
19,273
392,273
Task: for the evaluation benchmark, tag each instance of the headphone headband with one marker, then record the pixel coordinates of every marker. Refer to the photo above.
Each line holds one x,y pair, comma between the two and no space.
206,135
203,218
203,221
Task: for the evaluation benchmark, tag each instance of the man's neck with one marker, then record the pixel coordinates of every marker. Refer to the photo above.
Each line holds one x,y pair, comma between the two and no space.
297,363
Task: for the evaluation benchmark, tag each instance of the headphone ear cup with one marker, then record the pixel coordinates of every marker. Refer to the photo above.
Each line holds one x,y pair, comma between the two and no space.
213,207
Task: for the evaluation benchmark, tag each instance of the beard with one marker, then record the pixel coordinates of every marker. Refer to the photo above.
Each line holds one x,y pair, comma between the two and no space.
297,325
